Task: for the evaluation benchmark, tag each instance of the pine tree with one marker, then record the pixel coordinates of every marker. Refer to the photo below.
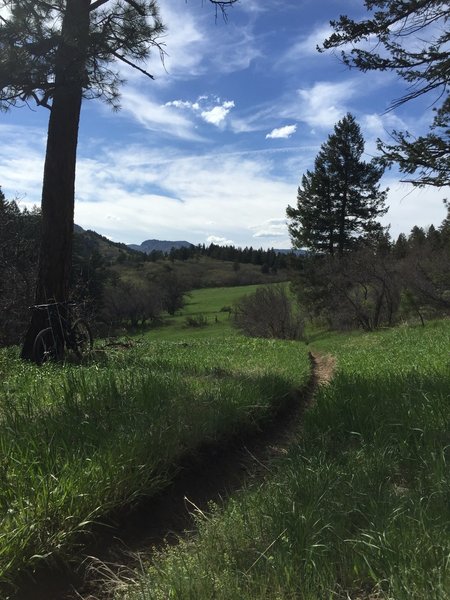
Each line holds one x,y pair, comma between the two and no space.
55,53
412,41
338,203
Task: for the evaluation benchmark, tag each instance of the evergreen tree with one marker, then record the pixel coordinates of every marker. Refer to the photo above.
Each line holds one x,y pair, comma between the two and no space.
444,229
338,203
413,38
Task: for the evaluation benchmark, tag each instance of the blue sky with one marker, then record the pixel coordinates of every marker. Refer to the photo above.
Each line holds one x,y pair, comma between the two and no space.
213,150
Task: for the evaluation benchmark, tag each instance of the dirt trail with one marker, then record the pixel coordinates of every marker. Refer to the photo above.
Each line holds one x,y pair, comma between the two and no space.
213,474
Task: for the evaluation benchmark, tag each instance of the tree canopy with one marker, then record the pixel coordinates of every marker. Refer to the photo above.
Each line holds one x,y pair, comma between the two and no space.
339,201
32,39
412,39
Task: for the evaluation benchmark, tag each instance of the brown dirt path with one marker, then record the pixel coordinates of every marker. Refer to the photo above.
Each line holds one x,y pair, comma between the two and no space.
212,474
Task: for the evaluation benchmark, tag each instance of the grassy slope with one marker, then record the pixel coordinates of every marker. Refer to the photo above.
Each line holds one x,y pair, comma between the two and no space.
203,272
78,442
360,506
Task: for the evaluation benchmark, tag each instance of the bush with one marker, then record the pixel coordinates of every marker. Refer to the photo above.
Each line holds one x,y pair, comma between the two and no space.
269,313
197,321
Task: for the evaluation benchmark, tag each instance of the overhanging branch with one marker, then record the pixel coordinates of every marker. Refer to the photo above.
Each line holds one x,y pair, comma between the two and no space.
131,64
97,4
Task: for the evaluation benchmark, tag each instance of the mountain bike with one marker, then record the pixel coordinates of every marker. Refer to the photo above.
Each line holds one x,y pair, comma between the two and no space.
63,333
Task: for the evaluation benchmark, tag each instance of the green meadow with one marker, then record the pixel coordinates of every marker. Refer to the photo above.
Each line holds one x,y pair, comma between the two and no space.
79,442
211,307
358,506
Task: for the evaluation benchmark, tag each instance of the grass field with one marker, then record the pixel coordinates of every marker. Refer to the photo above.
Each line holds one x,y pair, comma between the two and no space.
210,303
359,507
78,442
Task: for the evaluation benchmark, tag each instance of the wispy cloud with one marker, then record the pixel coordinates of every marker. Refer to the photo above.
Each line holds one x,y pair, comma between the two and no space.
272,228
306,46
203,196
236,52
191,50
323,104
184,44
156,117
282,132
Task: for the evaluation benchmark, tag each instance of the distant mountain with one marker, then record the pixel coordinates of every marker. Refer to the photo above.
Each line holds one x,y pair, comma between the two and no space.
164,246
159,245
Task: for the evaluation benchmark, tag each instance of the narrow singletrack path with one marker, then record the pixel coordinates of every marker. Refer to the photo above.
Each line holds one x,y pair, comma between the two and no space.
211,475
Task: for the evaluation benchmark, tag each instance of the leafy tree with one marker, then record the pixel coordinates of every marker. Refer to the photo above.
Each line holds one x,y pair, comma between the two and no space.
413,38
130,303
56,53
173,292
338,203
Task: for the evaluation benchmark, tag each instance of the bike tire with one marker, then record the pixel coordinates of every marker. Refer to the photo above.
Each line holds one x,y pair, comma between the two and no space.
47,347
82,337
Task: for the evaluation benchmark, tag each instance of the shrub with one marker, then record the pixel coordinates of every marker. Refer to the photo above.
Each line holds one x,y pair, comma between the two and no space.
269,313
197,321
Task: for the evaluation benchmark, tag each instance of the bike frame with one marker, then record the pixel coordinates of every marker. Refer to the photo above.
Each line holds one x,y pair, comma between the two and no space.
59,320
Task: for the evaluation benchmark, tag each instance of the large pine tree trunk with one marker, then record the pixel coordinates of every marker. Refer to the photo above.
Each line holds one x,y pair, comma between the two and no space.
58,189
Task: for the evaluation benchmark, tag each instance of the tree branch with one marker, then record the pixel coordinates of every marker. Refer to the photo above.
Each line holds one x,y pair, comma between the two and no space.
131,64
136,7
97,4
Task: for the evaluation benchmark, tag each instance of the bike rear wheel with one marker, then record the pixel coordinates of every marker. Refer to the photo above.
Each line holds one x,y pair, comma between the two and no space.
47,347
82,338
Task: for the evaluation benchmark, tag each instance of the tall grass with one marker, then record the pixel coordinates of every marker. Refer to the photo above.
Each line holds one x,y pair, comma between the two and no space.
359,507
76,443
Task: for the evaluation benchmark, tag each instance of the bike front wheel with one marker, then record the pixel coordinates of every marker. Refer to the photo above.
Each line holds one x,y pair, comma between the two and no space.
47,347
82,338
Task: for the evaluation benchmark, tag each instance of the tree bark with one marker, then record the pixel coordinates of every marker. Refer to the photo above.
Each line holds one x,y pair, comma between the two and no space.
58,190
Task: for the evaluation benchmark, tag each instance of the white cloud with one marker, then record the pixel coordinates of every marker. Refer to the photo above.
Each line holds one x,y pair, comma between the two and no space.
22,163
211,109
282,132
220,241
200,196
323,104
183,104
272,228
217,115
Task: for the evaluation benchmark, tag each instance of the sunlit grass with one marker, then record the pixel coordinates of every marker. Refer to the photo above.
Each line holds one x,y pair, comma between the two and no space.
77,442
211,303
360,505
